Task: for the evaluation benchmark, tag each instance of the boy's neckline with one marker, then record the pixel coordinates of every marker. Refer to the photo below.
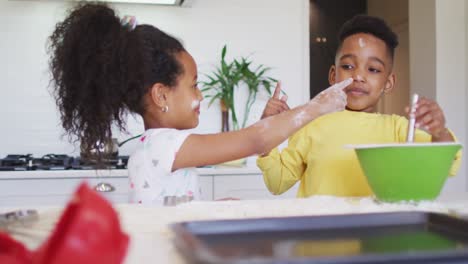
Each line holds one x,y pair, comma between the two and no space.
362,113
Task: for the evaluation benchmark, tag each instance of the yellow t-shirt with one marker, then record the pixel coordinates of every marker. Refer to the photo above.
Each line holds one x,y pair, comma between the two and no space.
316,155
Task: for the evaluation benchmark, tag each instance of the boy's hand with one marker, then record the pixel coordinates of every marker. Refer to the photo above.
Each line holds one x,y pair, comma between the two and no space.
275,104
430,117
332,99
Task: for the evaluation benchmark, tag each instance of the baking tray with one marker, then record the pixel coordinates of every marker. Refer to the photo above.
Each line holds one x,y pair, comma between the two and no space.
396,237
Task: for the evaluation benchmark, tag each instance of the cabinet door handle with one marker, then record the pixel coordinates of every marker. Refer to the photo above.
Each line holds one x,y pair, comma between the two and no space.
104,187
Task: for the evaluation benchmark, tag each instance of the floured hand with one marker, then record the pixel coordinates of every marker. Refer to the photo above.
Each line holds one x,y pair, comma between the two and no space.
332,99
431,118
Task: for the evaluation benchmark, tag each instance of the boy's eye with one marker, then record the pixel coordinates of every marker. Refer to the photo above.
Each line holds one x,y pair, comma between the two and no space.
346,66
374,70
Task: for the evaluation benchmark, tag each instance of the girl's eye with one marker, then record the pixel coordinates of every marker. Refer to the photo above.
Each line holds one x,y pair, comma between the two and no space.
374,70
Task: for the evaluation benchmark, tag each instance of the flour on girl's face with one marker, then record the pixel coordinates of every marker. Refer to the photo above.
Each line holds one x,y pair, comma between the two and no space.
195,104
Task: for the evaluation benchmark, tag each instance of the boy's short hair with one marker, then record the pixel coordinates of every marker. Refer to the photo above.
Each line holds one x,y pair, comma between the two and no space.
370,25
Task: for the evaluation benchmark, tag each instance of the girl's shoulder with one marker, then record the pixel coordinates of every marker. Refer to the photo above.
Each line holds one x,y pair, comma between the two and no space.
163,134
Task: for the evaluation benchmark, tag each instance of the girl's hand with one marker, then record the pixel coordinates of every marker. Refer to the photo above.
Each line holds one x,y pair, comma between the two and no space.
332,99
275,104
430,117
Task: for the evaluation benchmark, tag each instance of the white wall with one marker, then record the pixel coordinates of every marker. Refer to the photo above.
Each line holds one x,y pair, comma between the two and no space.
466,81
437,56
451,82
274,32
422,47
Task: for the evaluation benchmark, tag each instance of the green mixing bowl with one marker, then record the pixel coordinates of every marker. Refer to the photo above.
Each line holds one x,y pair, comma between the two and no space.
406,171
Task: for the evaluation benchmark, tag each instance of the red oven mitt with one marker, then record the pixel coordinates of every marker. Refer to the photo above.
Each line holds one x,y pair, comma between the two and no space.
13,252
87,232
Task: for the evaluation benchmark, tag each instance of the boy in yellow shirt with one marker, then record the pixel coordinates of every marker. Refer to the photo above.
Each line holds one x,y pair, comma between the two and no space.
316,155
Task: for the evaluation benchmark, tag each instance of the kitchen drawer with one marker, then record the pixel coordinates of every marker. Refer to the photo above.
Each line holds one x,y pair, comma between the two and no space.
206,186
55,191
246,186
56,188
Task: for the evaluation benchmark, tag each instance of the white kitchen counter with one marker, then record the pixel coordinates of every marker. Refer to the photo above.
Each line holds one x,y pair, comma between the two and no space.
51,174
19,188
151,238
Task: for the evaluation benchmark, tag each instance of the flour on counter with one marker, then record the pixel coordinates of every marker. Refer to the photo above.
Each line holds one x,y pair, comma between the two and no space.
316,205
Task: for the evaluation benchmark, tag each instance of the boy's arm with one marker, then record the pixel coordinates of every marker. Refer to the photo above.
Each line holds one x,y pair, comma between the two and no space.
457,160
276,175
430,117
424,137
428,138
282,170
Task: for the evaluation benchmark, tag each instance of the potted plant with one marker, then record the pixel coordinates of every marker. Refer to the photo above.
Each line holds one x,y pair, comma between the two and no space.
229,76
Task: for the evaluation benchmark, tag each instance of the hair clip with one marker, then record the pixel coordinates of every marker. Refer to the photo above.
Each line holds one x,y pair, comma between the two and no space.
129,22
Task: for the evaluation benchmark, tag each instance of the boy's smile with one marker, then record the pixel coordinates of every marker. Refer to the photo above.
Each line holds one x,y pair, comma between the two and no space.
366,59
355,91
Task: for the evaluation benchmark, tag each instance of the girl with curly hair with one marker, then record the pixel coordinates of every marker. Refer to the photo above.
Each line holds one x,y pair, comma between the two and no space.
102,69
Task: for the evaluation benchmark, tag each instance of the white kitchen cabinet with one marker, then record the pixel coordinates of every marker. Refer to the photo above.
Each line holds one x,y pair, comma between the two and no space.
29,188
54,187
246,187
242,183
206,186
53,191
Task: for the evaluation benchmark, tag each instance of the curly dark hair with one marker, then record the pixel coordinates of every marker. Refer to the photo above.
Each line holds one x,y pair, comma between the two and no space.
370,25
101,70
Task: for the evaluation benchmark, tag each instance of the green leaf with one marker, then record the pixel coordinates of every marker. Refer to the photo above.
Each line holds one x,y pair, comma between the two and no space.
267,86
223,52
206,89
229,75
263,71
213,99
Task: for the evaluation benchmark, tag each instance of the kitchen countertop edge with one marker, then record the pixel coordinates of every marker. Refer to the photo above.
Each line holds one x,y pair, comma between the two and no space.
117,173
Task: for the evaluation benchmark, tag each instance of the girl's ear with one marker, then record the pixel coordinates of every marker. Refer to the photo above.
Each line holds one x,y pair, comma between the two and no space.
390,83
159,93
332,75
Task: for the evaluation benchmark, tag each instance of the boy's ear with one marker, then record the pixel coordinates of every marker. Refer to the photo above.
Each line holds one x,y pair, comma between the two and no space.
390,83
159,93
332,75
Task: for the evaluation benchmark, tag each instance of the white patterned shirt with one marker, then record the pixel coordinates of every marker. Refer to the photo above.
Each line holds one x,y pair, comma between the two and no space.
150,177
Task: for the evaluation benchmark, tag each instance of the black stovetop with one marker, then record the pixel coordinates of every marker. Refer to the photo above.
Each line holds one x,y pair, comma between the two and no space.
23,162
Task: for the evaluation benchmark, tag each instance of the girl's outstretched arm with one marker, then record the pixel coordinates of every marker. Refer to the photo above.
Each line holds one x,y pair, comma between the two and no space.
261,137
